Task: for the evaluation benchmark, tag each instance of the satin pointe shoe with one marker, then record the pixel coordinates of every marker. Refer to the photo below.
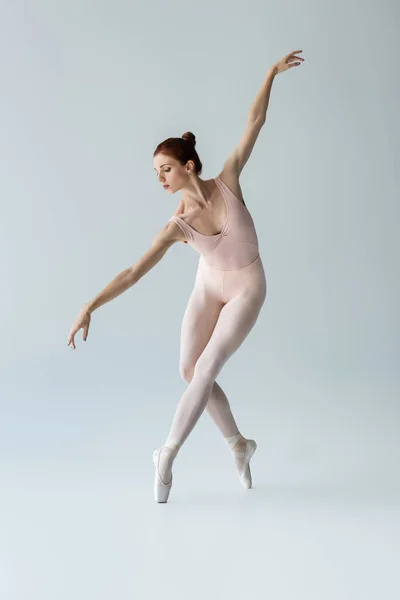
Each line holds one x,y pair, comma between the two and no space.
244,473
161,489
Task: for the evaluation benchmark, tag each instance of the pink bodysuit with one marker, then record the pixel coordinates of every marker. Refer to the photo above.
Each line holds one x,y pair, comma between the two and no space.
229,291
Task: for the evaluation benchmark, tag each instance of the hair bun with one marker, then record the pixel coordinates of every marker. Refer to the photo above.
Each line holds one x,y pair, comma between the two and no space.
189,137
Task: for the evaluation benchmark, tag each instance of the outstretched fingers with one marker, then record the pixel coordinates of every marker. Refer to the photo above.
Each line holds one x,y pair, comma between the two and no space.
291,58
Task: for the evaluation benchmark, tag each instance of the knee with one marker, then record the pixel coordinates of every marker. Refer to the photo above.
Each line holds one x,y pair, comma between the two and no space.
186,372
204,368
207,368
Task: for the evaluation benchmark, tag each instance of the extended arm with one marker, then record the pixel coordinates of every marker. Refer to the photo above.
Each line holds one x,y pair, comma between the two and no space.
255,120
127,278
257,116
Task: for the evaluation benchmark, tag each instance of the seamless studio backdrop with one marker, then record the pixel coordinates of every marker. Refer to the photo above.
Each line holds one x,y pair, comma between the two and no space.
88,90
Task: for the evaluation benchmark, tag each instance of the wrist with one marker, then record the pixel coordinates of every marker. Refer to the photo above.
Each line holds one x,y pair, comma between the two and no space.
272,71
89,307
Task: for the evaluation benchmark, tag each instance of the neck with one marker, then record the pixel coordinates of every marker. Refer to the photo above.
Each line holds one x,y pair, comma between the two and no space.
195,192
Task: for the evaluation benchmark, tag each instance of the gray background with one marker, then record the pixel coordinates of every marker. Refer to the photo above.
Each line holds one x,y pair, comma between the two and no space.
88,90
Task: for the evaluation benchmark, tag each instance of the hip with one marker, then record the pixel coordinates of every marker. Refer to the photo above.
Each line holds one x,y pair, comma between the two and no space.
249,280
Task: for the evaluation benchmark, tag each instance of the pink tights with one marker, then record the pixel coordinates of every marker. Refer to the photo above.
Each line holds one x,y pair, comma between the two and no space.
222,310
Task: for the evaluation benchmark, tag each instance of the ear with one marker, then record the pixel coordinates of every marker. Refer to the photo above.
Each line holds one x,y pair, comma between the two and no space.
190,167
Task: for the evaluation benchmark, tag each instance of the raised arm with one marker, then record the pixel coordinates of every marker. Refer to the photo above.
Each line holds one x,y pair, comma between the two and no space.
257,116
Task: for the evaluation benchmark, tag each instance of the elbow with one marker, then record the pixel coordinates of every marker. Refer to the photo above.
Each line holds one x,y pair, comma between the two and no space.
260,120
257,119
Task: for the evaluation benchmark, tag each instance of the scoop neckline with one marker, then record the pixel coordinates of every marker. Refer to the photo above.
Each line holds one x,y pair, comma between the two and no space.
214,235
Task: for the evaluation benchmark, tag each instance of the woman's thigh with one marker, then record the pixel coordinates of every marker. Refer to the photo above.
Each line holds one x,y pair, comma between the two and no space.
235,321
198,324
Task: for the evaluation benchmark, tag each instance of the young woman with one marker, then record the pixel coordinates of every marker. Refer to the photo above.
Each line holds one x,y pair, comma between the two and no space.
230,285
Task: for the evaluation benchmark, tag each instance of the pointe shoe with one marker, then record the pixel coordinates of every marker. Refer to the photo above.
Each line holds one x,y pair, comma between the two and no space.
161,489
245,474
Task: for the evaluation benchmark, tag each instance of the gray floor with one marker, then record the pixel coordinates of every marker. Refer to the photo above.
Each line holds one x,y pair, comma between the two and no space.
96,534
280,541
78,519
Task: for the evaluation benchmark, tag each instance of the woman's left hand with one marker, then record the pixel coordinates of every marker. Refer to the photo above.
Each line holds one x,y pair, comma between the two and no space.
288,61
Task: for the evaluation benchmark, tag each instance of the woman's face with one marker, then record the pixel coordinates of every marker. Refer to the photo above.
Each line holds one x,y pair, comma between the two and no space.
170,173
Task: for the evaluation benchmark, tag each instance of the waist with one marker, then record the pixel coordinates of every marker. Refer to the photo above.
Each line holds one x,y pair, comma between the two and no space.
217,265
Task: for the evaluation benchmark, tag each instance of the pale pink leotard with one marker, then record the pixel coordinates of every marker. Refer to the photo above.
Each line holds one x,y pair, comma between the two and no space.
236,245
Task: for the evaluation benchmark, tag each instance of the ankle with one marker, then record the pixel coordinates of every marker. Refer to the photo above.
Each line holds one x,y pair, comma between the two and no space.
172,447
234,440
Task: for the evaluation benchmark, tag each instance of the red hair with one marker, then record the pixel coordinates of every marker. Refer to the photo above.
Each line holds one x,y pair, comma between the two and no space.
182,149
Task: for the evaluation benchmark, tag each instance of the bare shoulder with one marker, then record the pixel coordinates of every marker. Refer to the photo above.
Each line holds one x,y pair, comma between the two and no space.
169,235
229,175
174,229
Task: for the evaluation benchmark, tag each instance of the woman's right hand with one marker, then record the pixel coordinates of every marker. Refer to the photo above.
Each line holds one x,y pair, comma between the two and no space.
81,321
